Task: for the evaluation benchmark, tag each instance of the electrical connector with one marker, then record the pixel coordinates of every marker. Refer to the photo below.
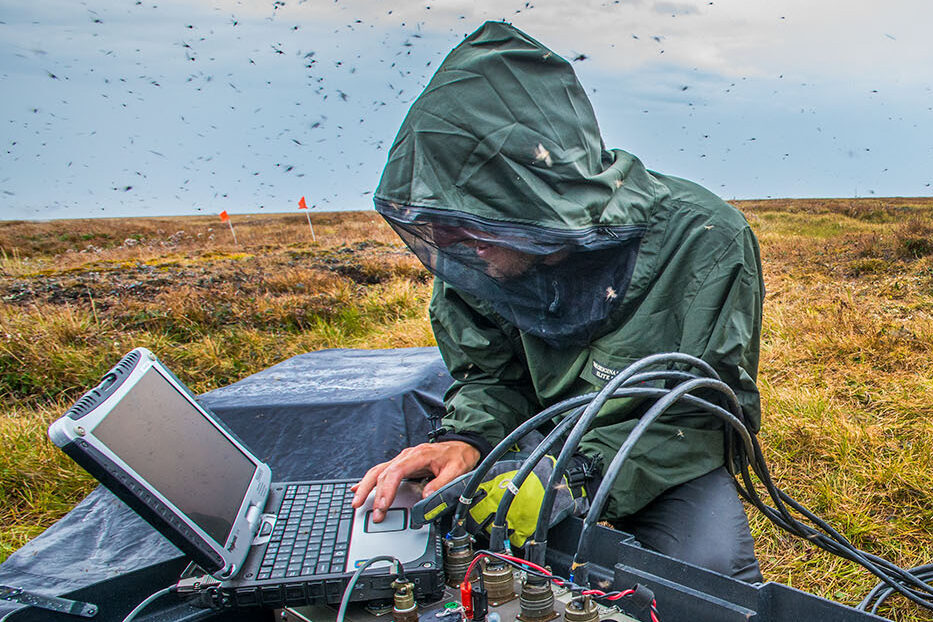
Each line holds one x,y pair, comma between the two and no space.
466,599
480,602
458,553
581,609
499,580
537,600
404,608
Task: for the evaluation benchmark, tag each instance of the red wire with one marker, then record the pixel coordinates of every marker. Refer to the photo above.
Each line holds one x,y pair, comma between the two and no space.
516,560
472,565
622,594
526,563
558,580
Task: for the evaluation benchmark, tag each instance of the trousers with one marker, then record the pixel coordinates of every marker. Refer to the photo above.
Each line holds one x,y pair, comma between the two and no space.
701,522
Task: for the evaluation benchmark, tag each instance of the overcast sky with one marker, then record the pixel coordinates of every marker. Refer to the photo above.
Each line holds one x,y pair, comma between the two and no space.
152,107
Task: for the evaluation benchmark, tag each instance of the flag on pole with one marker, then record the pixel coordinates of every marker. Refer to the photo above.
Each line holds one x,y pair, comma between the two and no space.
225,217
303,205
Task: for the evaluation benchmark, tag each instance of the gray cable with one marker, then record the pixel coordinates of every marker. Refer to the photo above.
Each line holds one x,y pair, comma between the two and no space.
583,424
479,473
498,530
345,599
135,612
612,471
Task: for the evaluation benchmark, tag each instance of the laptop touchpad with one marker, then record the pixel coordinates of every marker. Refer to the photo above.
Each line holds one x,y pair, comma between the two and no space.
393,521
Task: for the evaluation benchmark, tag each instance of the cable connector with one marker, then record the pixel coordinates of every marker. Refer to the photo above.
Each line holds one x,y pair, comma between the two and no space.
499,580
458,552
466,599
581,609
642,598
404,608
480,602
196,585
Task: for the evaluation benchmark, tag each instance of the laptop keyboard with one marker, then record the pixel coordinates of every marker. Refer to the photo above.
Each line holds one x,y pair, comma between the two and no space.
312,532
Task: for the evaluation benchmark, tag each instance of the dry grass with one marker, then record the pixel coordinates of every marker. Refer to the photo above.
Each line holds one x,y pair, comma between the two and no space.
846,371
847,379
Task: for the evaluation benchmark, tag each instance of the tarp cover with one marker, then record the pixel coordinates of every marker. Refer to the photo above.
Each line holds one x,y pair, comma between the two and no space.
332,413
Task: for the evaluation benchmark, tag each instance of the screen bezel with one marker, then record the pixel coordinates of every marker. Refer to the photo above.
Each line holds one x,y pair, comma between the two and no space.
234,550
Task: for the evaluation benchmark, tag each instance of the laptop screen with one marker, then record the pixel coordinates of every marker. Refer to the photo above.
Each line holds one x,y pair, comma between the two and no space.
162,436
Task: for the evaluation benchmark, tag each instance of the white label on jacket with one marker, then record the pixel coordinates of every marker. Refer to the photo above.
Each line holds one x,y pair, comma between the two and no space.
604,373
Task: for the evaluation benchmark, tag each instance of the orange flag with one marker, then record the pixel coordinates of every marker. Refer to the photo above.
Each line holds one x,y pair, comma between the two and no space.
224,216
302,204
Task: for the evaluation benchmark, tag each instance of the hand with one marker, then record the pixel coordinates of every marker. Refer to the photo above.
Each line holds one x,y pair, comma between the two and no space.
445,461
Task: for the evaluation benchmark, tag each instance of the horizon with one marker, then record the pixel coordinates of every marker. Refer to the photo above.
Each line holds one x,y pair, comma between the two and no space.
300,213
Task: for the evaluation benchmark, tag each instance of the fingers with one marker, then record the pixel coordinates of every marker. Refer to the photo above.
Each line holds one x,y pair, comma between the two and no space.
447,475
383,480
406,464
458,458
445,461
363,487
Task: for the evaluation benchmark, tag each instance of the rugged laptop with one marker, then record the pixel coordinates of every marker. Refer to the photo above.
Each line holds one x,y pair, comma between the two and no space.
144,436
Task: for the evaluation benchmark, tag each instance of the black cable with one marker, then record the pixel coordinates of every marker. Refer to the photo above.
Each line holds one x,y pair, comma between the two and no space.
592,409
831,541
612,471
479,473
555,410
499,527
743,460
882,592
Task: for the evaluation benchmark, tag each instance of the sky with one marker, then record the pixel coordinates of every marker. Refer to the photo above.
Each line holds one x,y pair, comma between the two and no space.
116,108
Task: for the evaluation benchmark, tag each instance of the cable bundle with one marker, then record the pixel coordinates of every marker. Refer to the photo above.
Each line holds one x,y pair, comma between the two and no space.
744,458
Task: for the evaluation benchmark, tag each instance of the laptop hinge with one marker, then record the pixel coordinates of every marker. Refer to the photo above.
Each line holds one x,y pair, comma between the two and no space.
266,525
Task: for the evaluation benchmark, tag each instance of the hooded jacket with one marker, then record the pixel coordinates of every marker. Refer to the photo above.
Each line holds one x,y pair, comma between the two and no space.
559,262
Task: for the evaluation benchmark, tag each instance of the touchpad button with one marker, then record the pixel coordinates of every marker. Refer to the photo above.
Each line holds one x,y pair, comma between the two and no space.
394,521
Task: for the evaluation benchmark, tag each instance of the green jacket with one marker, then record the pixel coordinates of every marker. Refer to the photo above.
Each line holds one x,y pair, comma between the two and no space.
503,148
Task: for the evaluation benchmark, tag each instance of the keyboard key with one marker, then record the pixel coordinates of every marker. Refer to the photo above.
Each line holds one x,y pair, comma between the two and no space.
343,531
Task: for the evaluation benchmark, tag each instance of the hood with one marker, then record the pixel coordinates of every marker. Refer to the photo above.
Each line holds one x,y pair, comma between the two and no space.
499,174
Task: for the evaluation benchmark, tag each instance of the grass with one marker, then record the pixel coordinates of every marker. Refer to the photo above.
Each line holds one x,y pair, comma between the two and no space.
846,373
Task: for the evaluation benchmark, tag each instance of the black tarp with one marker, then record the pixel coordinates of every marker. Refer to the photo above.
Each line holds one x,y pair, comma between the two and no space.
332,413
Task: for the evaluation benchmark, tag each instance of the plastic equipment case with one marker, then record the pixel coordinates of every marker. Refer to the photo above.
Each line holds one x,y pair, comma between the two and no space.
682,591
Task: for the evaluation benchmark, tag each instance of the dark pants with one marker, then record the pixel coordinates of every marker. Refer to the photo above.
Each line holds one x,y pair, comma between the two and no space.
701,522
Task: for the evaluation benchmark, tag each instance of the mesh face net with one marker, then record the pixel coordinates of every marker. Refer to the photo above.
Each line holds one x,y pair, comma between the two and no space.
557,285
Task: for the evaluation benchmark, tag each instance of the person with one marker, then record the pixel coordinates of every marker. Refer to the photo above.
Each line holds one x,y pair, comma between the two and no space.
557,263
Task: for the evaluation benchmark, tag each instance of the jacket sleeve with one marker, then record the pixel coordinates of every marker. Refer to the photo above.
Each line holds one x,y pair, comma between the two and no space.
720,311
722,325
491,393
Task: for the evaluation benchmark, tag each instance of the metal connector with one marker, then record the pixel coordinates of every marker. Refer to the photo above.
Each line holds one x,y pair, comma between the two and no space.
196,585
